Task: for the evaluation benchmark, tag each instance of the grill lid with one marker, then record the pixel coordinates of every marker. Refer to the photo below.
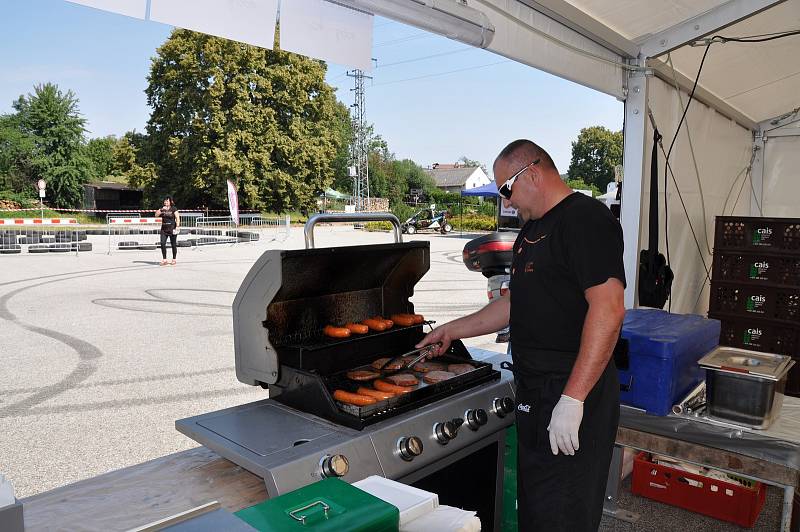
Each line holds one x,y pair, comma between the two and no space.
288,296
730,359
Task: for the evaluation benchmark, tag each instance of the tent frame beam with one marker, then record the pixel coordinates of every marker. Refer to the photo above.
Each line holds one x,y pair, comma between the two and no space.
570,16
702,25
635,141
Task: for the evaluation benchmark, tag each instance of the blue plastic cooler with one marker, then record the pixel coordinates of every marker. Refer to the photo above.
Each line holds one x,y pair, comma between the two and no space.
663,350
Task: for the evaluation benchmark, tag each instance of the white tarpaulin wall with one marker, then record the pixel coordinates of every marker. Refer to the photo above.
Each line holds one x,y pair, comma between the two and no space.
781,187
723,150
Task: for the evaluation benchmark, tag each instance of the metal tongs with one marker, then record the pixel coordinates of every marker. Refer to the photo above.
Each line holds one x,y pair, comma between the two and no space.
423,352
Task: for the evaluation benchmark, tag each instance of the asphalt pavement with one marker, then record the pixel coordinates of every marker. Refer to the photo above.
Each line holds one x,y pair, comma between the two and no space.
100,354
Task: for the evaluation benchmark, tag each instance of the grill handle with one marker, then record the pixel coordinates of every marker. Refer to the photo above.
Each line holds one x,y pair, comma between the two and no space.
308,230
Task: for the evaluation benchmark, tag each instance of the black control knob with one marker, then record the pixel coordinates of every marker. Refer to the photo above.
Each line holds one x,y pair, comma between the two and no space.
444,432
409,448
335,466
502,406
476,418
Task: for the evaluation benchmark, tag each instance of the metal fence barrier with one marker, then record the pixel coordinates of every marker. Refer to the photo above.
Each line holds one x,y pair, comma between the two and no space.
123,231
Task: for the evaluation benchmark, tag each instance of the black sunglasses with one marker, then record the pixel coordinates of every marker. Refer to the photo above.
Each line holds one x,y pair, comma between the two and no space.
505,188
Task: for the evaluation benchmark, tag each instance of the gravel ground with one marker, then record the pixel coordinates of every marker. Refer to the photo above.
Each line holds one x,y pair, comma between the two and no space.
102,353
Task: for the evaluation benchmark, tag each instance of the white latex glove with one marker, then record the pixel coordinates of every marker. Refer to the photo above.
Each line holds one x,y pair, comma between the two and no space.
564,424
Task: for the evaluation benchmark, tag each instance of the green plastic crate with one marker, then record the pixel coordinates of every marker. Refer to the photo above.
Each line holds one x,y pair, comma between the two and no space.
330,505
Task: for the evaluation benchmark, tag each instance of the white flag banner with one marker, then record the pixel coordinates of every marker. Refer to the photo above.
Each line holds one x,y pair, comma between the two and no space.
130,8
233,202
247,21
321,29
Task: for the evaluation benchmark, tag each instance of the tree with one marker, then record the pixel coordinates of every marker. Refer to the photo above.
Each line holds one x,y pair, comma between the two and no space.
100,154
265,119
472,163
594,155
127,163
580,184
16,151
53,126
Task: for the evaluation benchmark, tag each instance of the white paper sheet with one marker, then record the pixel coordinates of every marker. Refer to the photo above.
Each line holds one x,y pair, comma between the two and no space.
130,8
248,21
327,31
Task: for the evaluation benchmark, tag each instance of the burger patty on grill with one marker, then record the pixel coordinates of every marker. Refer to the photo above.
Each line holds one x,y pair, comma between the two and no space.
437,376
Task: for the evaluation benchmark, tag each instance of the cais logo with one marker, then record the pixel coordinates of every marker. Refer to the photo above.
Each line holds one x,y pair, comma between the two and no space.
764,231
755,331
524,408
764,265
758,299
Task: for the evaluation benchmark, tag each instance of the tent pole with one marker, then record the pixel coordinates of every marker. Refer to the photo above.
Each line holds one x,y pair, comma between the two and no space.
635,145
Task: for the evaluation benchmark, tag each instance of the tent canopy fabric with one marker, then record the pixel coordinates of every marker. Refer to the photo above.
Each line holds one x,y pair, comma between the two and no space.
487,190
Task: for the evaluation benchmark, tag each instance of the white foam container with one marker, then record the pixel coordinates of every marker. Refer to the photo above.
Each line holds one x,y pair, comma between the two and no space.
412,502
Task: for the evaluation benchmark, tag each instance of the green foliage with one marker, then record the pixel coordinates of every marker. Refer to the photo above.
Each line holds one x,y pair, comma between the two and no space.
50,118
100,153
594,155
580,184
23,200
474,222
127,163
16,152
265,119
402,211
472,163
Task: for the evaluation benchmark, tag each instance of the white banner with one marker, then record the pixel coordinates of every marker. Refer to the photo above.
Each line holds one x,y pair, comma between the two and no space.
233,202
321,29
130,8
506,211
248,21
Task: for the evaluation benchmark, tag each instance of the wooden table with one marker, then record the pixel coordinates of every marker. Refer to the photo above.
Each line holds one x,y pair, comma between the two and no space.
144,493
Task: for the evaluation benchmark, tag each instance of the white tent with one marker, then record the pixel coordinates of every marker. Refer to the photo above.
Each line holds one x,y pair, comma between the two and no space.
737,151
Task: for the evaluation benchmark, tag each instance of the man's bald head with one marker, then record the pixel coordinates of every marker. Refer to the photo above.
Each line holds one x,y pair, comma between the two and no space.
522,152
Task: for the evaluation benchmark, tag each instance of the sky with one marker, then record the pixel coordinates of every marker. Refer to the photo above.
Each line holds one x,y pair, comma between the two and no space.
432,99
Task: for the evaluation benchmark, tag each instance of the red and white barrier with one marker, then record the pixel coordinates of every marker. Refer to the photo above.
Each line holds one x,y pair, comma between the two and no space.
129,221
38,221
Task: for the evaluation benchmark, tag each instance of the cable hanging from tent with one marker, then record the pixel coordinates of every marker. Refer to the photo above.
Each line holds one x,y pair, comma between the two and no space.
745,39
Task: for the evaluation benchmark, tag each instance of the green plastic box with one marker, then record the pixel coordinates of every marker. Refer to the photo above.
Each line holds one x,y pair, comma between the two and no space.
330,505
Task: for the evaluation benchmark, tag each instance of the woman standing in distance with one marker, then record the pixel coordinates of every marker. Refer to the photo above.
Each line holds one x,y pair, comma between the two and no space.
170,223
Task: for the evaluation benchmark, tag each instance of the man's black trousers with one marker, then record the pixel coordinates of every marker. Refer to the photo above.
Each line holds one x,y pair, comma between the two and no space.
558,492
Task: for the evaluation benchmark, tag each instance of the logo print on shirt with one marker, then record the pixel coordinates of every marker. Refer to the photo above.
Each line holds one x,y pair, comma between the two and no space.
534,241
524,408
528,267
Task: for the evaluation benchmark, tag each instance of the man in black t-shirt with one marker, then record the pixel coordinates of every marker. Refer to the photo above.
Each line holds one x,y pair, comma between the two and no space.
565,308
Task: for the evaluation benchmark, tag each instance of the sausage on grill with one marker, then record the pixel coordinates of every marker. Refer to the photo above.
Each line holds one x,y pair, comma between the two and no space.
357,328
375,325
389,387
389,323
377,394
336,332
402,319
353,398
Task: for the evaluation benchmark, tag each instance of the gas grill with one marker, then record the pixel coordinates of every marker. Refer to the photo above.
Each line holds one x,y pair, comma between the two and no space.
428,437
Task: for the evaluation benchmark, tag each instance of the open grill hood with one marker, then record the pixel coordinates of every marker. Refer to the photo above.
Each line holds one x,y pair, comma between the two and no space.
288,297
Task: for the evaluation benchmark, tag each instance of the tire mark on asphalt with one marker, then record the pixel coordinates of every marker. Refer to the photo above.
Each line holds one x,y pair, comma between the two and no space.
109,302
132,380
87,352
140,401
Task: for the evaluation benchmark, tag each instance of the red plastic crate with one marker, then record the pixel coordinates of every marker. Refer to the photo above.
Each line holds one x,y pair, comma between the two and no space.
726,501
